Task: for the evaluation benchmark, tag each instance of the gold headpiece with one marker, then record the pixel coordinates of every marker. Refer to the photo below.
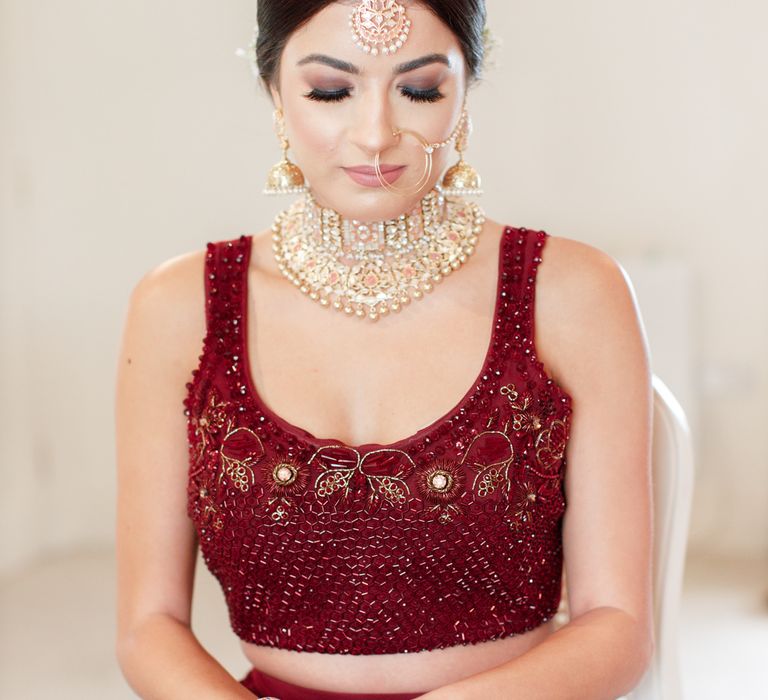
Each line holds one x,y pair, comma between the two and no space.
379,26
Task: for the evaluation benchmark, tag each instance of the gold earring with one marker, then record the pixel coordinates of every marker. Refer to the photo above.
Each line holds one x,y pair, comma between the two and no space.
462,179
284,177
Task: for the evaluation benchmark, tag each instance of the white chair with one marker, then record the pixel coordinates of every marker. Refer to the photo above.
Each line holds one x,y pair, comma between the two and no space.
672,474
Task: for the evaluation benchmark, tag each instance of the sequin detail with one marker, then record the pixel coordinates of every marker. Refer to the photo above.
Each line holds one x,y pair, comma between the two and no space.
450,536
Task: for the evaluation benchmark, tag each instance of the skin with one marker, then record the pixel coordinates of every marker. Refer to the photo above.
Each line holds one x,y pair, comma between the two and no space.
589,337
325,137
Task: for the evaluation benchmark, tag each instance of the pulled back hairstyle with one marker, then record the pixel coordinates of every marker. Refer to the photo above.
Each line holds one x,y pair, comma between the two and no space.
278,19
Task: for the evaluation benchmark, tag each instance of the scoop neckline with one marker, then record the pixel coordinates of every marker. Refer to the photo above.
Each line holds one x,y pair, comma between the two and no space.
256,399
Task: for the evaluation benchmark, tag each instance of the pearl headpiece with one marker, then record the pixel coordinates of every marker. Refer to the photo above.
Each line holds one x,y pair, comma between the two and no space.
379,26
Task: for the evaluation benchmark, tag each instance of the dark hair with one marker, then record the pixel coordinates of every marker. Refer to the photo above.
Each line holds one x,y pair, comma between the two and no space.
278,19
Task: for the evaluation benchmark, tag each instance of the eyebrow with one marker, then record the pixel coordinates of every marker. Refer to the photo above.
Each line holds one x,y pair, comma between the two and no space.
354,70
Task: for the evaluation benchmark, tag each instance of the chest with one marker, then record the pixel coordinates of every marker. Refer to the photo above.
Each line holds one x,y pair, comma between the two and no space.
361,382
378,547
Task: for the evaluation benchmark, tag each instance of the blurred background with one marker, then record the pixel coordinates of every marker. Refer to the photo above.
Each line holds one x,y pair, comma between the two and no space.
131,133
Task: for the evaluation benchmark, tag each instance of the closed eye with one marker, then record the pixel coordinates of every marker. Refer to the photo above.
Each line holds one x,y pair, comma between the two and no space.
430,95
328,95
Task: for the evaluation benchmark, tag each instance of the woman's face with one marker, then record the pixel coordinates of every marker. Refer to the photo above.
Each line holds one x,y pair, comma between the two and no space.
342,104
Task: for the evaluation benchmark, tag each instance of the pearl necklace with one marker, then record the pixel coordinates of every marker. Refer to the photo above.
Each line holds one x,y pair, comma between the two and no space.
392,262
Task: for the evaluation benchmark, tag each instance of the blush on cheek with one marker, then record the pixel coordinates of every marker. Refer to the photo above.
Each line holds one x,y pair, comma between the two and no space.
315,140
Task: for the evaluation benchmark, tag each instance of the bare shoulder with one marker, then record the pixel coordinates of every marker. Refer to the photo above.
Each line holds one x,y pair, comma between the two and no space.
578,265
174,279
155,540
583,296
168,302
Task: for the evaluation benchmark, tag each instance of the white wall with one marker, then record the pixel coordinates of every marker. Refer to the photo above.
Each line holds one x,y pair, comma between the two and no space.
130,132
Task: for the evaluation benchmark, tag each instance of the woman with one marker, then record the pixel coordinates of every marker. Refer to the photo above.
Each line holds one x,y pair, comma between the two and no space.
356,562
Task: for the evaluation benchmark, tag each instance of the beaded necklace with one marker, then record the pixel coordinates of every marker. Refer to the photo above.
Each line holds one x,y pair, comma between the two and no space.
369,269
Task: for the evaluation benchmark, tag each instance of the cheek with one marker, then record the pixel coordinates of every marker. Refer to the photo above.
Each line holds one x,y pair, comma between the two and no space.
313,133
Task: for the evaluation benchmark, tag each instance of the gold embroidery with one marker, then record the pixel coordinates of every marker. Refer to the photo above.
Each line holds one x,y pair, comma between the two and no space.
550,444
240,449
441,483
209,512
381,473
210,421
523,418
286,478
490,454
525,500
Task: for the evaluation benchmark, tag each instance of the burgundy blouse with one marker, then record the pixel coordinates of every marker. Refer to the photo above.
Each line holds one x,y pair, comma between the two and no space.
450,536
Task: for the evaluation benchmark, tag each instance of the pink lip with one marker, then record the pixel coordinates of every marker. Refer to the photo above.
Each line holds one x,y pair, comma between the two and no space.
365,175
370,170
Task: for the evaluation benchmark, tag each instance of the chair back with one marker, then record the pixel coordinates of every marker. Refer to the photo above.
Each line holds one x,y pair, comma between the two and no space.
672,469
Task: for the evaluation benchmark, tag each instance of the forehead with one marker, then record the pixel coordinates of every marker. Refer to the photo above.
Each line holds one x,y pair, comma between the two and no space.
329,32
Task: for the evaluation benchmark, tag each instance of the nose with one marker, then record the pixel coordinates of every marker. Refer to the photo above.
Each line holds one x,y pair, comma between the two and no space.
373,130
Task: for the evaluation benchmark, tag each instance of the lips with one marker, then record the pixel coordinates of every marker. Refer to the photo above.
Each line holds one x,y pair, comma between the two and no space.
370,170
365,175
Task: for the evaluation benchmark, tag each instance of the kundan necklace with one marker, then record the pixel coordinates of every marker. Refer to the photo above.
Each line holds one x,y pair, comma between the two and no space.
368,269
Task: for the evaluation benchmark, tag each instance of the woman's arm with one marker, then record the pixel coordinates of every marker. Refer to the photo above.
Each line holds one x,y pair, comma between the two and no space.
156,544
587,318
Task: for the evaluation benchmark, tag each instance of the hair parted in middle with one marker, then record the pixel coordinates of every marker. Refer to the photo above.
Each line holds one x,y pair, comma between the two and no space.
278,19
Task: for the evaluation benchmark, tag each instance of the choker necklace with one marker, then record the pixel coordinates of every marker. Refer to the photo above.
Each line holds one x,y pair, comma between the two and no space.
368,269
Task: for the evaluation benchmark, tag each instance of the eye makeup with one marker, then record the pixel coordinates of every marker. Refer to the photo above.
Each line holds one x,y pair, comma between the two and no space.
339,94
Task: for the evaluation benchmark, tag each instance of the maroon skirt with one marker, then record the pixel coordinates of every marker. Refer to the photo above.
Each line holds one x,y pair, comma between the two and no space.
261,684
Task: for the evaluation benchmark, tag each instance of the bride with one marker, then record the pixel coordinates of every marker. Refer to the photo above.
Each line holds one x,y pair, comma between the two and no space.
389,422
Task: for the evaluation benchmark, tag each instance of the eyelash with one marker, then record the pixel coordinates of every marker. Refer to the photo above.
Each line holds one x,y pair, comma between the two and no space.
431,95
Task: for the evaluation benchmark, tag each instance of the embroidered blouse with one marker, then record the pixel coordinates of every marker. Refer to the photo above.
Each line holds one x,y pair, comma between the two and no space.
450,536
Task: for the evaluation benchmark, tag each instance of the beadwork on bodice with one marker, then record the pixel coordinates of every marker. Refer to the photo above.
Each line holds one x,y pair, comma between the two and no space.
450,536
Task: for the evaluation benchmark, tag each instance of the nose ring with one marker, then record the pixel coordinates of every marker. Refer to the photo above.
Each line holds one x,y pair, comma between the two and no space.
429,149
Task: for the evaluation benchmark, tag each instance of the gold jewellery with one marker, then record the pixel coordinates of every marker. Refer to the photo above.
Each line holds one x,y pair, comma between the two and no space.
379,26
370,269
284,177
461,179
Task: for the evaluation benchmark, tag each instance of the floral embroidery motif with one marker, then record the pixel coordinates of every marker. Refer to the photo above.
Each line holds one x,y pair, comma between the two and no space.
525,499
551,443
240,450
490,454
206,494
441,483
379,474
523,419
211,420
286,478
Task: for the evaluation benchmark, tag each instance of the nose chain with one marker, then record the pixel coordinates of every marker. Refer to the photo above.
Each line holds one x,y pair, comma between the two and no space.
368,270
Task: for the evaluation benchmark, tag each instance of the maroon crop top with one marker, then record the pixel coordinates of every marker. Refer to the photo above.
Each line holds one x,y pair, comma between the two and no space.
450,536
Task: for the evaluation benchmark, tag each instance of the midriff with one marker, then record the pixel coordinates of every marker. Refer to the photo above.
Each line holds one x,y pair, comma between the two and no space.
391,673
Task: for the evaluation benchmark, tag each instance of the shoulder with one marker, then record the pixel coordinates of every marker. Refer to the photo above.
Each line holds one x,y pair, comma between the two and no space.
173,285
575,272
585,308
166,309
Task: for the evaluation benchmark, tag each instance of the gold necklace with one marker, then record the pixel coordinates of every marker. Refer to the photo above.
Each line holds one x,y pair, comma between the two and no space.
370,269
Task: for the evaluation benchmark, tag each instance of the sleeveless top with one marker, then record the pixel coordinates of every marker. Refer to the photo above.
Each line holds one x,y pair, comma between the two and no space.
450,536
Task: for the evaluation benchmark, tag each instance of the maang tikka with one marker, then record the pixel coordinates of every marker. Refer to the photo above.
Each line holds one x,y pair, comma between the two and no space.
284,177
379,26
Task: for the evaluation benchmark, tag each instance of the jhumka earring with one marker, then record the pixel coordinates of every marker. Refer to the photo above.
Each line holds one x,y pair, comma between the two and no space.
462,179
285,177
